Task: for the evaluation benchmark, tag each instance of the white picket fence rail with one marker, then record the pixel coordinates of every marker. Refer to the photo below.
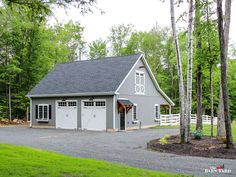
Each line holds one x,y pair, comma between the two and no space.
173,119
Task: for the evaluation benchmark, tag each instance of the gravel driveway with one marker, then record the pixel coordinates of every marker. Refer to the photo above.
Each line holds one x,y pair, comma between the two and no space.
122,147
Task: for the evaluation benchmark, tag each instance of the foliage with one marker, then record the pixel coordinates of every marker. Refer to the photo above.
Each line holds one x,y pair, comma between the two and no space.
197,134
97,49
46,5
28,50
164,139
22,161
119,37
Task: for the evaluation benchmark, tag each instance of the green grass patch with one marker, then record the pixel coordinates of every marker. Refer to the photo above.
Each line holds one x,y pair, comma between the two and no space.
18,161
166,127
206,129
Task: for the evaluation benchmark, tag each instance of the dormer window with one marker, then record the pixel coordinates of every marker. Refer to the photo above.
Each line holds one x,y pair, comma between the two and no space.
139,82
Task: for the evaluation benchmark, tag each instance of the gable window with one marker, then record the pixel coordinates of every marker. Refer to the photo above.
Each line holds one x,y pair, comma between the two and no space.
139,82
43,112
156,112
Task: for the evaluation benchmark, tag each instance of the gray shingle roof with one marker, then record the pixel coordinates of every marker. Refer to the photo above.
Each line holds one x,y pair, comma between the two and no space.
104,75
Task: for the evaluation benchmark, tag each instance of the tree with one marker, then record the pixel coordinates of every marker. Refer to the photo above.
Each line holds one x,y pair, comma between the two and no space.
189,75
198,58
97,49
119,38
28,50
223,55
180,73
46,5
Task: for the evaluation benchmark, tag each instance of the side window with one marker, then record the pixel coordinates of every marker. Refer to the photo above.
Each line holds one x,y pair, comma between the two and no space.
156,111
134,116
43,112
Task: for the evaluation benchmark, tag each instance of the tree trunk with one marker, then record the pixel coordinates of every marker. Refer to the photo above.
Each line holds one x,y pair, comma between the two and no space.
220,122
199,98
199,68
189,75
223,56
9,101
180,74
212,100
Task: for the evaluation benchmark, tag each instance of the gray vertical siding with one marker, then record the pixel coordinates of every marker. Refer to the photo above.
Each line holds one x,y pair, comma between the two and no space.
52,102
145,103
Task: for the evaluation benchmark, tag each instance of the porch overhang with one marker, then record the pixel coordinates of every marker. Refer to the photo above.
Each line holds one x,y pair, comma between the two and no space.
124,104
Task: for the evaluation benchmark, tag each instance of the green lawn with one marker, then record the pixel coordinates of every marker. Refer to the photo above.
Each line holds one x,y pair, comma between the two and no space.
21,161
206,129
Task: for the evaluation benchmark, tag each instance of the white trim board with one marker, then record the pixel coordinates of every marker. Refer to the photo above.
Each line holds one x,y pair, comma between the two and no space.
116,92
72,94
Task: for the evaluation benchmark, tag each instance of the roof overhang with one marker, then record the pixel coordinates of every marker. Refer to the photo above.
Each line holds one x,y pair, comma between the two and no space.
71,94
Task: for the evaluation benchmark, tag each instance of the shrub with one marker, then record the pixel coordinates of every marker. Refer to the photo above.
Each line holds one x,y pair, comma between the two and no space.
197,134
164,140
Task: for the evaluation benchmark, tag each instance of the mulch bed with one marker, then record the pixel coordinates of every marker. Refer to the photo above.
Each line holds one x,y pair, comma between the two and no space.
206,147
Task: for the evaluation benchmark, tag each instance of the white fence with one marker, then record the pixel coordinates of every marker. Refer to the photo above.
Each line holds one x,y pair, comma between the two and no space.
173,119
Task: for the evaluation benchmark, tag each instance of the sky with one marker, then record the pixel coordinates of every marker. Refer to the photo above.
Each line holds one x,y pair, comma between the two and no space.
142,14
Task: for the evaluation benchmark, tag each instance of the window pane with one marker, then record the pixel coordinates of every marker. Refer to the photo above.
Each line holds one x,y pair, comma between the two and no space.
135,112
45,112
40,112
137,79
157,111
72,103
88,103
100,103
142,80
62,103
142,89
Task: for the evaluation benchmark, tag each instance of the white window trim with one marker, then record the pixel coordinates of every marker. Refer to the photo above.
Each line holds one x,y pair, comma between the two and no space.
155,118
43,119
135,120
135,84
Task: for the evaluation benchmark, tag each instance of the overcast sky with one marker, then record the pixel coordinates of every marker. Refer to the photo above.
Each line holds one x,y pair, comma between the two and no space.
142,14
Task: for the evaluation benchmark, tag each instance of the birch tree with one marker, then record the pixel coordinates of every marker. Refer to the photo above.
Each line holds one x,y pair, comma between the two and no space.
180,73
223,39
189,75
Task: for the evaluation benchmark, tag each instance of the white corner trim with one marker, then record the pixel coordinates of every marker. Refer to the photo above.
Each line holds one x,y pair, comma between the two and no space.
114,111
31,113
156,84
116,92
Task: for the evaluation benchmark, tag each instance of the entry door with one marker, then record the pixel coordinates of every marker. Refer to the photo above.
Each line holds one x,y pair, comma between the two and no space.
66,114
122,119
93,116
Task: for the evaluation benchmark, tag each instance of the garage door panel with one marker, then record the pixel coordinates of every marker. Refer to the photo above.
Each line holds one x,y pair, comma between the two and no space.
66,116
93,115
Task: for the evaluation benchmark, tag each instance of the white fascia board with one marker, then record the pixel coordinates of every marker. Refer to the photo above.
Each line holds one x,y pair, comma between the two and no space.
72,94
116,92
156,84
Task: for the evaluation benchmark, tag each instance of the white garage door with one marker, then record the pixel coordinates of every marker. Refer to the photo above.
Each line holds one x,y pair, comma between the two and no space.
66,114
93,115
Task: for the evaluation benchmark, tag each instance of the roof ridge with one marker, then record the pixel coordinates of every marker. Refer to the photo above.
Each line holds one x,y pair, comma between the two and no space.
99,59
